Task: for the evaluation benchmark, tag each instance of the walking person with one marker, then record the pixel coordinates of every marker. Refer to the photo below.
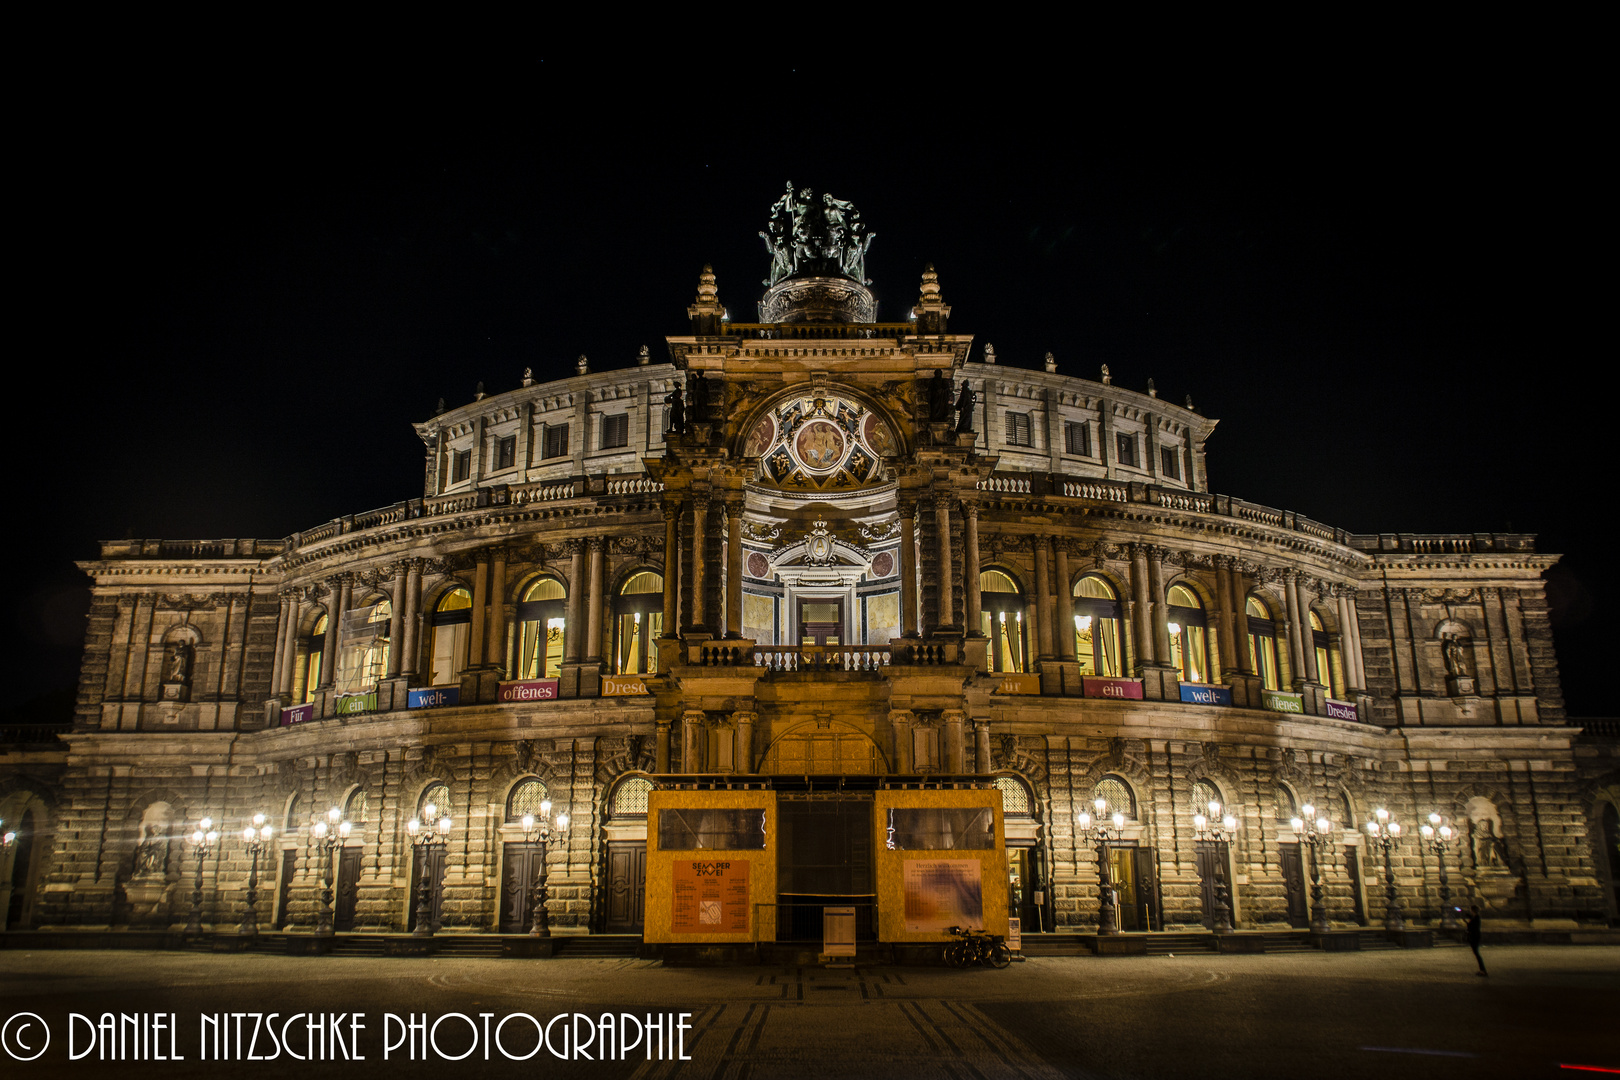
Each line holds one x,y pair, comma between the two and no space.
1474,937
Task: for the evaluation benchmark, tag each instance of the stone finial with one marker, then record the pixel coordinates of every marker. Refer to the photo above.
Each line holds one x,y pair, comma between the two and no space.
1051,362
931,310
930,283
439,408
708,292
1107,379
644,357
1190,407
478,393
582,365
706,311
528,376
1153,391
989,353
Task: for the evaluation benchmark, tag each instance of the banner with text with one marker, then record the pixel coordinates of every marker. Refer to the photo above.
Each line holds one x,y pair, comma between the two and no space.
528,690
348,704
1277,701
1019,684
711,897
1102,686
298,714
623,685
1341,710
432,697
1198,694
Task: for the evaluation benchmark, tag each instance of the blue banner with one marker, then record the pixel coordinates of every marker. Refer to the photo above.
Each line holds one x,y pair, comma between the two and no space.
431,697
1196,694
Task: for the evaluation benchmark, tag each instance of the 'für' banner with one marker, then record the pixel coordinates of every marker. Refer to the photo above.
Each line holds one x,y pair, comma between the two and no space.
528,690
1019,684
297,714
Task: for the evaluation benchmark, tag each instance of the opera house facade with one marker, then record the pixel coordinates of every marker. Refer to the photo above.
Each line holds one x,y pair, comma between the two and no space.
815,612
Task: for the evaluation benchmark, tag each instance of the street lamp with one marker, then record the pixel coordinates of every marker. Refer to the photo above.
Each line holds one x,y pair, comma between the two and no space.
257,837
539,830
1385,832
328,833
1219,830
8,837
1099,833
1319,835
1437,838
427,837
203,841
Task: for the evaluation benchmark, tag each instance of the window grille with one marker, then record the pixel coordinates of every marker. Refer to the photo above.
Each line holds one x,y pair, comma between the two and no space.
631,798
1286,810
615,431
1014,798
1018,431
439,796
526,799
1203,794
356,811
556,440
1118,794
1077,439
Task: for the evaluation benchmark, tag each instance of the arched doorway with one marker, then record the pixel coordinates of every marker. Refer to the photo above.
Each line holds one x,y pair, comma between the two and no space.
19,908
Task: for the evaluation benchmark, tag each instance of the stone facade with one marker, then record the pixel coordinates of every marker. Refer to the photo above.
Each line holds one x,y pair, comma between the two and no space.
813,467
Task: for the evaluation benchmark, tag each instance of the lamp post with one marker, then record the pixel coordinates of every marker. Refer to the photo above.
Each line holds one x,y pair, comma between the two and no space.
1319,835
1437,838
539,830
1385,832
8,837
1219,830
328,833
257,837
428,837
1100,832
203,841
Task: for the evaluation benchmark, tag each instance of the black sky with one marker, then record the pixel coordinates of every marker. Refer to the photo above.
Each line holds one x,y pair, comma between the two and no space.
246,301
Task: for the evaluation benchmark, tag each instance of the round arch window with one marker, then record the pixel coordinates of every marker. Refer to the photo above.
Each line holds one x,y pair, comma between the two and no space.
1189,644
1097,638
1117,796
630,799
1203,794
436,796
356,811
1001,619
1014,797
452,630
312,660
1262,643
542,618
1320,644
638,623
526,797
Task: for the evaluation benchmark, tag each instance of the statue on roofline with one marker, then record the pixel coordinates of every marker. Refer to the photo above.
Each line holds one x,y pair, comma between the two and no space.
806,238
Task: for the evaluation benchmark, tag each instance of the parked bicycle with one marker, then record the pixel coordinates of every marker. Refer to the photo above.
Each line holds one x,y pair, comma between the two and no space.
976,947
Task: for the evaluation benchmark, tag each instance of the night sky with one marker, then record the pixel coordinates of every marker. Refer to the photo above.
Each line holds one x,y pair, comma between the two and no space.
249,302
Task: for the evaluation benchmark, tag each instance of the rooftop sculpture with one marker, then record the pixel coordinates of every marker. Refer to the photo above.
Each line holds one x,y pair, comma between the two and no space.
811,238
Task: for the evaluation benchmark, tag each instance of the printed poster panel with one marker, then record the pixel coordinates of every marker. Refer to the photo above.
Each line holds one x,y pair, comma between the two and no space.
711,897
1015,933
837,931
943,892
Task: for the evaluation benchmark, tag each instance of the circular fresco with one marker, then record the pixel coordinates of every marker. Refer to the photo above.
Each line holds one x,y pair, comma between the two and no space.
758,565
882,564
820,446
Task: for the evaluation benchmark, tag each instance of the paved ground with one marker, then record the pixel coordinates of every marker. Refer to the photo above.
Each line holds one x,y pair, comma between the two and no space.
1307,1016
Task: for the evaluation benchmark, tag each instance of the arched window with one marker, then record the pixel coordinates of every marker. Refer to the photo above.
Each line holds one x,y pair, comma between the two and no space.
526,797
1262,643
1189,646
312,661
542,618
1324,663
639,622
1096,627
290,825
1204,793
362,660
1117,795
452,629
1014,797
630,800
357,810
1286,809
436,796
1001,619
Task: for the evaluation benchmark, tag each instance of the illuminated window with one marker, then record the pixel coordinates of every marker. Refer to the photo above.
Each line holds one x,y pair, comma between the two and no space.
1262,644
1096,627
1324,660
639,623
362,658
1001,619
630,800
526,797
438,797
1077,439
1117,795
542,623
615,431
460,466
1189,647
312,661
1014,796
1126,445
505,452
1018,431
452,630
1204,793
556,440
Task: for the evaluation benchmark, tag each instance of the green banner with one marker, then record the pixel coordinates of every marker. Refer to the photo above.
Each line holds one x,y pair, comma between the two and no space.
357,703
1277,701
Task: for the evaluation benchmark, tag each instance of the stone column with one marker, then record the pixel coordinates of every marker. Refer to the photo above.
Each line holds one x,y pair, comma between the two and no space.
576,597
1352,634
413,616
593,616
947,565
480,600
694,754
981,744
955,748
337,602
672,567
661,754
700,516
734,568
1063,614
900,720
971,598
1304,649
1043,597
1161,605
1141,615
283,634
744,757
396,623
908,570
1239,586
495,651
289,660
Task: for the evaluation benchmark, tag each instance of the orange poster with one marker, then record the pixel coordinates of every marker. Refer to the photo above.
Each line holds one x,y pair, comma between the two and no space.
711,896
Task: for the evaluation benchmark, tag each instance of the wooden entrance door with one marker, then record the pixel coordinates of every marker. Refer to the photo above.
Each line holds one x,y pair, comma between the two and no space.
435,875
1212,854
347,888
1352,867
522,864
1293,875
627,886
289,867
